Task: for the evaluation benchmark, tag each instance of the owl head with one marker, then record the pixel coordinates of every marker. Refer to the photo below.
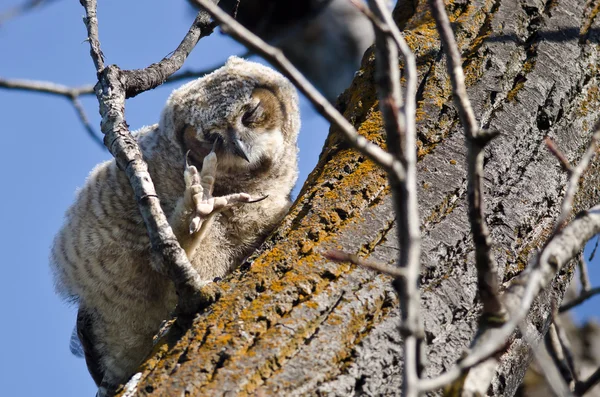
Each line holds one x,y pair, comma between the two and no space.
245,111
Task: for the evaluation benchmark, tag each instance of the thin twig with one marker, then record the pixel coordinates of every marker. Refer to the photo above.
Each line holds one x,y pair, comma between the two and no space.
398,114
70,93
584,277
566,346
487,268
583,387
21,9
551,373
340,256
91,23
574,176
556,352
562,159
322,105
86,122
593,253
560,249
113,85
579,300
46,87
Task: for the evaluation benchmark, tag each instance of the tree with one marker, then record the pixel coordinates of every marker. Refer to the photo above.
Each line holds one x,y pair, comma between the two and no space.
290,321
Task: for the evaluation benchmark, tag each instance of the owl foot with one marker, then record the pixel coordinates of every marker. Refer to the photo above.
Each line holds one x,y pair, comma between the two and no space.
198,193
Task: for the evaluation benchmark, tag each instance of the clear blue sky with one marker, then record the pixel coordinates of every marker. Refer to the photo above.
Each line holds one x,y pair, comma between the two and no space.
45,155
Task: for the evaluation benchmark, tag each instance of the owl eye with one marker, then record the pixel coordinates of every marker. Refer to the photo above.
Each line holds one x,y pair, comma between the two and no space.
251,114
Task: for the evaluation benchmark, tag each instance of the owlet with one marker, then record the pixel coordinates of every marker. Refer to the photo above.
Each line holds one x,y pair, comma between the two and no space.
223,159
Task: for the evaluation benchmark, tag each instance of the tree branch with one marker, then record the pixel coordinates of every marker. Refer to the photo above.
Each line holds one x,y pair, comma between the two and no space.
579,300
168,256
583,387
399,121
322,105
487,268
21,9
70,93
574,175
140,80
519,296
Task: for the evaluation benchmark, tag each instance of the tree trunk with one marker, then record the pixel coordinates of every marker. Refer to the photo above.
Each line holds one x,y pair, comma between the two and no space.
289,322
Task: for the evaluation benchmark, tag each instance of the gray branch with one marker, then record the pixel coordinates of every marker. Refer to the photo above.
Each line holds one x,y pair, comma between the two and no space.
111,91
322,105
519,296
399,121
70,93
487,268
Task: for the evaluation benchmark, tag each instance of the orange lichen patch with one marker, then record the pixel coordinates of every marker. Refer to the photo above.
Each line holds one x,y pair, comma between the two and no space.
589,17
246,312
443,209
591,101
512,94
261,305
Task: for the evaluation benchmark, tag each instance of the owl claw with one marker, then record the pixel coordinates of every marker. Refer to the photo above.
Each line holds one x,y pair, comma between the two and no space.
199,188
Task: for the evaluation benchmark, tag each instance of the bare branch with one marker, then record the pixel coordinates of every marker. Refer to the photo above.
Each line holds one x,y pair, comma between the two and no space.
69,93
583,387
574,176
487,268
584,277
399,120
168,256
552,148
322,105
566,346
556,352
21,9
91,24
580,299
560,249
551,373
86,123
140,80
593,253
340,256
46,87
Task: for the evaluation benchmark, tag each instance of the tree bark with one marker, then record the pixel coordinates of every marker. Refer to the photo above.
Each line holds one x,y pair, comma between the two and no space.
289,322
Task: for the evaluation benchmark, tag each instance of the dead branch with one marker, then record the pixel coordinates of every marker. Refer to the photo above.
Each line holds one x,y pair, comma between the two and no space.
559,358
583,387
574,176
322,105
70,93
113,87
585,295
549,370
399,119
21,9
476,139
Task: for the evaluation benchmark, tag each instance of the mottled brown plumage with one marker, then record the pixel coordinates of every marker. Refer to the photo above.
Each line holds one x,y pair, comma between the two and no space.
248,114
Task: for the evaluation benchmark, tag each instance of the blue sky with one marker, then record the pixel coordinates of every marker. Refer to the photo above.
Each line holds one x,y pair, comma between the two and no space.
45,155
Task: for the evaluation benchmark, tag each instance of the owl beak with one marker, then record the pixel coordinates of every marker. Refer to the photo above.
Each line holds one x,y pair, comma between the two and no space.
239,148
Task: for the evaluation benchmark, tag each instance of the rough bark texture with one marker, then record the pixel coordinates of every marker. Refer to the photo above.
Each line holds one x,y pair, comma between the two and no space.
291,323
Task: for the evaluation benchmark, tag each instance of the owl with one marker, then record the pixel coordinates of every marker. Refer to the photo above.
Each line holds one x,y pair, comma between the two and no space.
223,159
